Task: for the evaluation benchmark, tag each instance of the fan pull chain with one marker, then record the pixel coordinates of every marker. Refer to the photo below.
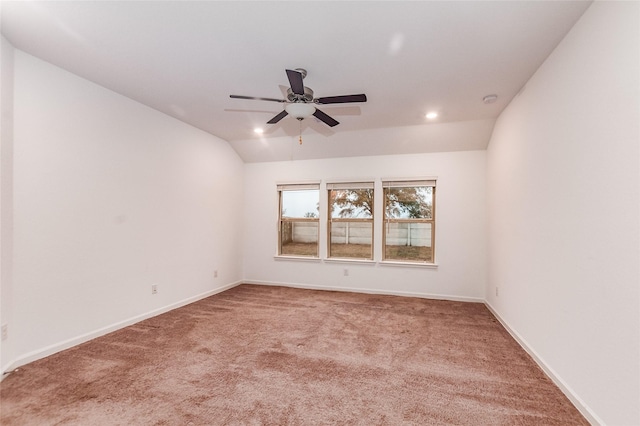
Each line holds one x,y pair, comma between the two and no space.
300,123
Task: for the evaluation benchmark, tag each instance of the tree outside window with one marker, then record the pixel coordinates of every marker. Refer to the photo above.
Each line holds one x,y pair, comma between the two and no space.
350,223
409,224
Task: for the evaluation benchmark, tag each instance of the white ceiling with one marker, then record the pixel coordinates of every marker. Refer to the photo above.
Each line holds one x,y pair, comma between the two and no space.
186,58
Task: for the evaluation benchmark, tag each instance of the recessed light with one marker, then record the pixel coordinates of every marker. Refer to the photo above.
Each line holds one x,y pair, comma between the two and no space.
258,130
431,115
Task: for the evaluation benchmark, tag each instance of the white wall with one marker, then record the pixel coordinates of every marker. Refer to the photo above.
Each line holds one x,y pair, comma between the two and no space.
109,198
460,225
563,187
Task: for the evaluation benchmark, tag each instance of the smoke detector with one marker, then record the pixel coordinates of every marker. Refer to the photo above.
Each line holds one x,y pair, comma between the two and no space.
489,99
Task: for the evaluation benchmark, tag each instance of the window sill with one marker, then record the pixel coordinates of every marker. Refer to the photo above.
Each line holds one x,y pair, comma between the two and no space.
297,258
393,264
408,264
347,260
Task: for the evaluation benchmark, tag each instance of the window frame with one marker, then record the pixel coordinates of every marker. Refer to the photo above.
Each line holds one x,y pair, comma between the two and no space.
282,220
408,183
350,185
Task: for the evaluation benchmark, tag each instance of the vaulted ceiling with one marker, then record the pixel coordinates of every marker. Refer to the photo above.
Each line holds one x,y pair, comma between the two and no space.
185,58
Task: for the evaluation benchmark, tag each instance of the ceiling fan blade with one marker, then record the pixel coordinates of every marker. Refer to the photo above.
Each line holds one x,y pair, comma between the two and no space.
295,80
342,99
325,118
256,98
278,117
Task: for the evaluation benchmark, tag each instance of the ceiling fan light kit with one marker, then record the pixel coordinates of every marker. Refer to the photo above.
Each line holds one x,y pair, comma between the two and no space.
300,110
300,102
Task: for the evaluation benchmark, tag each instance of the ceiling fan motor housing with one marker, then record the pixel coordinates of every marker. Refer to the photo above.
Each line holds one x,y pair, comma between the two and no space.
307,97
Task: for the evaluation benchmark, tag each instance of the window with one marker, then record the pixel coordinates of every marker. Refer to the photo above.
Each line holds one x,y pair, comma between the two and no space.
298,221
409,215
350,223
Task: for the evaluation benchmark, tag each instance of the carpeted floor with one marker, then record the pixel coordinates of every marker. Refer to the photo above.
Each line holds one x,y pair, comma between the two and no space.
258,355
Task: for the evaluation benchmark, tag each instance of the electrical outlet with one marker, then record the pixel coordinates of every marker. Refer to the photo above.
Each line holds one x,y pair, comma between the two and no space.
496,291
215,274
5,331
345,272
154,289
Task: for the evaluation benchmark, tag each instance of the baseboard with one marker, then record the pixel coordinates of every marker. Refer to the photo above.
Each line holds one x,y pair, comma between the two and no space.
57,347
569,393
369,291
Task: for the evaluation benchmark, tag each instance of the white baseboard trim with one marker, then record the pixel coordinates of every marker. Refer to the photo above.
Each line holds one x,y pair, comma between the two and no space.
369,291
566,389
57,347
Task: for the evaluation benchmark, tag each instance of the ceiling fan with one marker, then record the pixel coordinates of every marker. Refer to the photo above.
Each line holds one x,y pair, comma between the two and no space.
300,102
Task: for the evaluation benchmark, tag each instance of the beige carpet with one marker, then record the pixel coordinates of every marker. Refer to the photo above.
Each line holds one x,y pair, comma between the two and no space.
280,356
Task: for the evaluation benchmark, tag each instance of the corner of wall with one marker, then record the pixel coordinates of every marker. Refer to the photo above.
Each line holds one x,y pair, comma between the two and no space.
6,195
